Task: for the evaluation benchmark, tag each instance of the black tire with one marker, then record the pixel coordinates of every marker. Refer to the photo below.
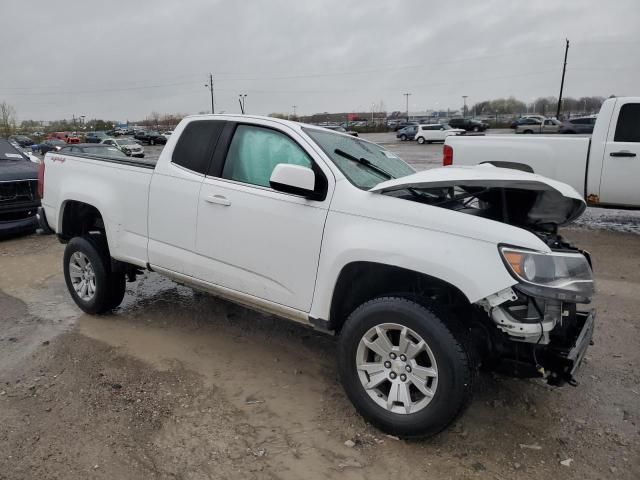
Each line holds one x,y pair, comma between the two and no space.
476,129
451,349
110,286
403,137
421,140
528,131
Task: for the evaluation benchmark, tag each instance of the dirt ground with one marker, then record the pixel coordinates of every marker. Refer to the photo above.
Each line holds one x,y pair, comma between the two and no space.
180,385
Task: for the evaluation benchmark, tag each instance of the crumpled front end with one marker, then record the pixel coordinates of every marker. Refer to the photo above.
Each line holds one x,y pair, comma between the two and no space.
539,330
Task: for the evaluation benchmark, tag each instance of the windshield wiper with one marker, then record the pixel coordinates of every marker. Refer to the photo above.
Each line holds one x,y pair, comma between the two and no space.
365,162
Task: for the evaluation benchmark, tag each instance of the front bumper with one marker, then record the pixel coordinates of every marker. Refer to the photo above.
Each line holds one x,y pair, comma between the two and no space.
22,225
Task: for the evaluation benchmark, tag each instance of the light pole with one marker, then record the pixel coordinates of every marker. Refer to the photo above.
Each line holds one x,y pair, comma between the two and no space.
294,111
242,98
407,97
464,108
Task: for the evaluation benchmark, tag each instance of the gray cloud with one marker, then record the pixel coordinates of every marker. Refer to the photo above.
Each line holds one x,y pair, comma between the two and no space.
124,59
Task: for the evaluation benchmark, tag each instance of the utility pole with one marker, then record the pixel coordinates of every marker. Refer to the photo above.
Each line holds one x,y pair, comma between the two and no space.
294,111
210,87
464,108
564,69
242,98
407,97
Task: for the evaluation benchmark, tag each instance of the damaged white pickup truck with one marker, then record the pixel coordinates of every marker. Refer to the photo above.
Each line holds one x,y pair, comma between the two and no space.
424,277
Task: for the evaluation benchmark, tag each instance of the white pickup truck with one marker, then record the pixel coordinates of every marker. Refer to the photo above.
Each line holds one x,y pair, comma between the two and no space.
422,276
604,168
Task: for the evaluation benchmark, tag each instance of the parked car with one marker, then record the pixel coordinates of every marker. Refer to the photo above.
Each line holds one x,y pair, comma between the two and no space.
128,146
19,198
22,140
423,276
548,125
338,128
401,125
67,137
95,137
151,137
407,133
468,124
604,168
50,144
526,119
97,149
578,125
436,132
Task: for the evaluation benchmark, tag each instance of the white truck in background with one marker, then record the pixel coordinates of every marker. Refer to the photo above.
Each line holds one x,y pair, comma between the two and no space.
604,168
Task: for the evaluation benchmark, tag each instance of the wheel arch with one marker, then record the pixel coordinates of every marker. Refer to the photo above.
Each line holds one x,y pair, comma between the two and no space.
360,281
78,218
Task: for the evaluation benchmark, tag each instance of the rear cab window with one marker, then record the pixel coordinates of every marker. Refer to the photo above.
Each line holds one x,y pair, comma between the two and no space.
628,126
197,144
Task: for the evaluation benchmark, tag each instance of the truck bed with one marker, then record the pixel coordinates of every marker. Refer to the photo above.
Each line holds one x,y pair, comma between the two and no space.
561,158
117,188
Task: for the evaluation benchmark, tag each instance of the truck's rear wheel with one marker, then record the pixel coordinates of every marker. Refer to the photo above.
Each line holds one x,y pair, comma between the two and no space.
406,369
90,281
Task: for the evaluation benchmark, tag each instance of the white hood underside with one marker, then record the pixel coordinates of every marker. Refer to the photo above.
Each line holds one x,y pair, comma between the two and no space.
556,203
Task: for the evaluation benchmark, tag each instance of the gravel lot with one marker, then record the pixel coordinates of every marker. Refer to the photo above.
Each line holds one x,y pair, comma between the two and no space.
177,384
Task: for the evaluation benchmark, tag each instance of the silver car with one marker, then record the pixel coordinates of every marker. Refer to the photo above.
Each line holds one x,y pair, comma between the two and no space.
548,125
127,146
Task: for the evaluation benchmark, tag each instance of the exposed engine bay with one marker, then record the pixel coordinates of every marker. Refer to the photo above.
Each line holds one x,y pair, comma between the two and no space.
533,329
540,211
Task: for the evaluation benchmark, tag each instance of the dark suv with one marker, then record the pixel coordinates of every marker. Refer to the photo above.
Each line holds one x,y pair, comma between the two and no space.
578,125
468,124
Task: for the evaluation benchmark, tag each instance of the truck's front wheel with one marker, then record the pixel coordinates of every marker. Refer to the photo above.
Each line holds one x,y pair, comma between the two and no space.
406,369
87,273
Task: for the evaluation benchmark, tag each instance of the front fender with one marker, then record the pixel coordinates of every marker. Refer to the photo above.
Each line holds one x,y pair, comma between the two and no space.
471,265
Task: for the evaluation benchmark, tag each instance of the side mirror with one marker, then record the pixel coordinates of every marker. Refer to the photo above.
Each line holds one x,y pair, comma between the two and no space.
295,179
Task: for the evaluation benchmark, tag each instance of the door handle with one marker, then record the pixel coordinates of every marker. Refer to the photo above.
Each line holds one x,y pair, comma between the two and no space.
622,153
218,199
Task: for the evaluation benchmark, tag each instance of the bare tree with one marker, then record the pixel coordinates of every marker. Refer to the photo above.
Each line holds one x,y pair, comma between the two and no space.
155,118
7,119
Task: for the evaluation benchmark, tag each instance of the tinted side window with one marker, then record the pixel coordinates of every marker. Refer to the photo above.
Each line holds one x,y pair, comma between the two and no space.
196,144
628,127
255,151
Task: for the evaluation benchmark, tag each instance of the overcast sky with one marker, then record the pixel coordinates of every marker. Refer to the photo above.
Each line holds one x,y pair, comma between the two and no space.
122,60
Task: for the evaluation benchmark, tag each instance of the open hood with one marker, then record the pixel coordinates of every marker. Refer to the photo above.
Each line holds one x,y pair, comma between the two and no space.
502,194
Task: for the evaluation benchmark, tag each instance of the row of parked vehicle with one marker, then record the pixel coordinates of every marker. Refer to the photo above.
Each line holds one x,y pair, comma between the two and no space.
127,145
541,124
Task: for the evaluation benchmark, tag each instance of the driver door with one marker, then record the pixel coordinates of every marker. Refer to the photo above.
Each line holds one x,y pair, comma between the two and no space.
251,238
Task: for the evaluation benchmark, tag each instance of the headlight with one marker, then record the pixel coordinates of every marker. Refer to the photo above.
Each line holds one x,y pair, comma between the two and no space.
555,275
